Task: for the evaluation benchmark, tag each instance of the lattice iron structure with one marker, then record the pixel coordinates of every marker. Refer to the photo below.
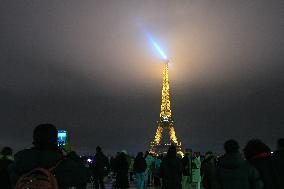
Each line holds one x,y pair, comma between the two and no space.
165,123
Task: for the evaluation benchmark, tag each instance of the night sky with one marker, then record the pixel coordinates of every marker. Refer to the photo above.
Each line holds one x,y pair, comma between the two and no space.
88,66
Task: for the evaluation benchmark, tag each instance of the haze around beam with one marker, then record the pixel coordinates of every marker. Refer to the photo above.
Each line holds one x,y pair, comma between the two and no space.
157,47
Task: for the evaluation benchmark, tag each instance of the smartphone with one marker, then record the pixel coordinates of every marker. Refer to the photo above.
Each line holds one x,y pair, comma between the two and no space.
61,138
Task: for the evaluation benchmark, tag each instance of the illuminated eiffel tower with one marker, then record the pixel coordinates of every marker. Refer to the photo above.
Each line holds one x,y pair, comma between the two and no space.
165,134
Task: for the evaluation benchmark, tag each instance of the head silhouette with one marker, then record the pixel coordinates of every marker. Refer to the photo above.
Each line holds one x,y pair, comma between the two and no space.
140,155
254,147
45,137
7,151
98,149
172,151
231,146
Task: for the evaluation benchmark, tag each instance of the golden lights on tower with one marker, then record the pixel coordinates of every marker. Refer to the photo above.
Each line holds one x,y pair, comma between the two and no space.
166,103
166,121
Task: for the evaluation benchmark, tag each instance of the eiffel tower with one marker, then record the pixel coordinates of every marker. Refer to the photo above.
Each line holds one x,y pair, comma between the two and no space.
165,133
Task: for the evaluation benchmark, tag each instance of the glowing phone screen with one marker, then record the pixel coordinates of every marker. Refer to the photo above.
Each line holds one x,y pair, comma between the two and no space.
61,137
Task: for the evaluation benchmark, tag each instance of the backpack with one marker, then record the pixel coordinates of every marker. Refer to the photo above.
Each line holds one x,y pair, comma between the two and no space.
38,178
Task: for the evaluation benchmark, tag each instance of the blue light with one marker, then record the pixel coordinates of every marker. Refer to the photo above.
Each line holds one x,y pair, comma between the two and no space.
158,48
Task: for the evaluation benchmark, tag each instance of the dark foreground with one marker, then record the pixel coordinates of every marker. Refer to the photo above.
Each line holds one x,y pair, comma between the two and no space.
132,186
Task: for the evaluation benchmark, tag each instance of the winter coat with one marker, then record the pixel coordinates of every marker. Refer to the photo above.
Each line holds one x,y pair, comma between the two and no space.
70,172
156,168
236,173
196,165
186,166
139,165
267,170
171,173
158,163
278,161
121,169
208,173
100,165
5,161
150,160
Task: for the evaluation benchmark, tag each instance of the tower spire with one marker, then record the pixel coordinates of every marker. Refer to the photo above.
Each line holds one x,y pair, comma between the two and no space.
165,122
166,112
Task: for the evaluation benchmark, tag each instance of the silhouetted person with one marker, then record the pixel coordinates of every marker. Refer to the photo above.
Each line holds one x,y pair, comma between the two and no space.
208,171
131,172
100,168
278,159
156,176
121,170
6,159
187,169
234,172
46,154
139,168
196,165
171,170
259,155
150,160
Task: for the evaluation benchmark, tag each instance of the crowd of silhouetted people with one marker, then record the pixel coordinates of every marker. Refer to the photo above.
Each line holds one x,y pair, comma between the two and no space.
47,166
